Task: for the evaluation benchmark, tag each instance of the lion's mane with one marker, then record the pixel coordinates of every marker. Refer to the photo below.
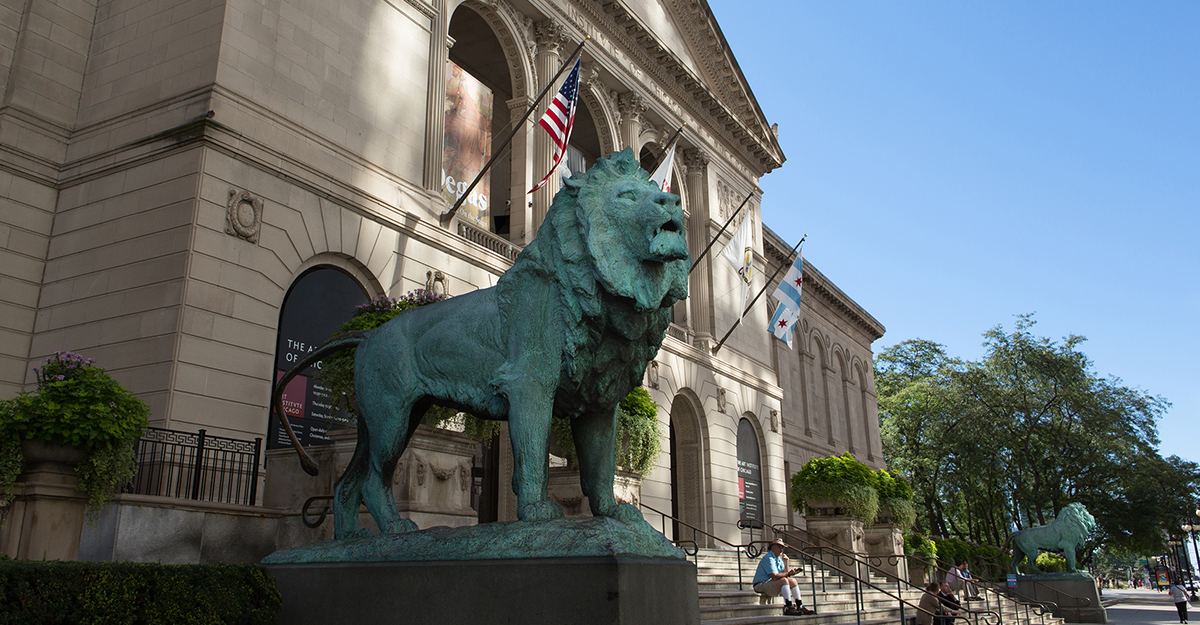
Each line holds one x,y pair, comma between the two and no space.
602,299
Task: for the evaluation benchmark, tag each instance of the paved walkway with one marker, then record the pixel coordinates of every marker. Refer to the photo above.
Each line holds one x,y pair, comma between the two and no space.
1143,606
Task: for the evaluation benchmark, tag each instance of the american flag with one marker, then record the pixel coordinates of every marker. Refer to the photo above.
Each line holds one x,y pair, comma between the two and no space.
559,119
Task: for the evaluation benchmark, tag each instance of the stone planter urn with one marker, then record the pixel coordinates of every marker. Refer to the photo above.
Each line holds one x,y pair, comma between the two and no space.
885,547
833,525
45,517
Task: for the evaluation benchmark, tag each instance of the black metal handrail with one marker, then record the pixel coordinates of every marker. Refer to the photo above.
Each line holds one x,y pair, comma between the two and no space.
751,551
861,579
1080,602
1039,608
197,466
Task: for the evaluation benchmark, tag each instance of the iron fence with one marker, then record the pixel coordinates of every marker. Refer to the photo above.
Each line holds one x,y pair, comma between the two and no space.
195,465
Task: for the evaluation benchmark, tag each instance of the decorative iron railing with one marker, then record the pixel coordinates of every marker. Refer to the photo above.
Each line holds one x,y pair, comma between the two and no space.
492,242
196,465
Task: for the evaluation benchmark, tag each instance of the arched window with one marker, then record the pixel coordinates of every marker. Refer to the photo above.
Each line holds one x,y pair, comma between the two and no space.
319,301
750,487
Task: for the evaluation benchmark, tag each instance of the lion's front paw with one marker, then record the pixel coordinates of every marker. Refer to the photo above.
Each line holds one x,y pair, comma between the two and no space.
540,511
625,512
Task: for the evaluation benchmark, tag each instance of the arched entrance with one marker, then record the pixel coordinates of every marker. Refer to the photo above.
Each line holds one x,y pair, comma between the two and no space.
687,469
320,300
750,485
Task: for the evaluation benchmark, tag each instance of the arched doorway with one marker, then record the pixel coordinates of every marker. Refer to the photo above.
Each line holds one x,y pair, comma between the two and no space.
750,485
320,300
687,470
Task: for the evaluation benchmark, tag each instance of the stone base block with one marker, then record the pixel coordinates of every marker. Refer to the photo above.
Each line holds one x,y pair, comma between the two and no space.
1063,592
583,591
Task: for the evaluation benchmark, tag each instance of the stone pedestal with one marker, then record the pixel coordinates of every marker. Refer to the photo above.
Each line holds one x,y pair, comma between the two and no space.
844,532
46,515
885,546
609,591
1059,588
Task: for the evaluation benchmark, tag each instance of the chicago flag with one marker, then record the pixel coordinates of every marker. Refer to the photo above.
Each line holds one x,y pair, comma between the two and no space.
783,322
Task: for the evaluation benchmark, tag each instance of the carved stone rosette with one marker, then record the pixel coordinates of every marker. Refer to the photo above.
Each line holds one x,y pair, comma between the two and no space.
243,215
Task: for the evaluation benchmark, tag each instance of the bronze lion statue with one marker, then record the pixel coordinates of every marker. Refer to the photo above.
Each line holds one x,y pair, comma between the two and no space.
1069,530
567,330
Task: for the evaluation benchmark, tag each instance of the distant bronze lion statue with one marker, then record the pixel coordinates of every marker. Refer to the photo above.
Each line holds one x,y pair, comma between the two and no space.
1069,530
567,330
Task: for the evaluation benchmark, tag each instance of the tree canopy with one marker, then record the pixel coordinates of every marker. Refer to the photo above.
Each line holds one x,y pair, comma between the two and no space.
1007,441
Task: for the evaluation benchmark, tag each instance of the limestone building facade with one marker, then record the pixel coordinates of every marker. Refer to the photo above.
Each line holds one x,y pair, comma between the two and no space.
170,171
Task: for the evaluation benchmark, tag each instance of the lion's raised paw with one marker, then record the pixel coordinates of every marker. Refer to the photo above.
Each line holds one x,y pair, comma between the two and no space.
540,511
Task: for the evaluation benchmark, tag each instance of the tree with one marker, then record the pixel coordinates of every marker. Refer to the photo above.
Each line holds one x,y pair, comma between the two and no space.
1007,441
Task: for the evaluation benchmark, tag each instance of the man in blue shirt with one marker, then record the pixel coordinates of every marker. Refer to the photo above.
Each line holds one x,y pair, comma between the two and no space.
774,578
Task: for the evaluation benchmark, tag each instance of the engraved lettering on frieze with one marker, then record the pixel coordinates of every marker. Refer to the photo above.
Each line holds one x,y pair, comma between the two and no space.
437,282
243,215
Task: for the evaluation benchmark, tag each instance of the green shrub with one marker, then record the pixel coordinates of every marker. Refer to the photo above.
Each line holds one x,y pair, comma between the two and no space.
104,593
638,445
75,404
841,480
920,546
1051,562
987,562
337,370
896,495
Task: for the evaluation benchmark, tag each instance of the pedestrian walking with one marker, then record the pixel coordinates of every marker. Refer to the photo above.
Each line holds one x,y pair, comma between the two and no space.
1180,596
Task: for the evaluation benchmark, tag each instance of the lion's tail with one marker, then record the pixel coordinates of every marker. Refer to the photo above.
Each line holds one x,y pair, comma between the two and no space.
333,345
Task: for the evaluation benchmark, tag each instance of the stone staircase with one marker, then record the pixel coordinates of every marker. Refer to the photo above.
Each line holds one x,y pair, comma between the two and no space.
830,594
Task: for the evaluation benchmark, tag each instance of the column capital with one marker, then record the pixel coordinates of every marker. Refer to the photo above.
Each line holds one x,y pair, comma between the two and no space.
631,105
696,160
550,36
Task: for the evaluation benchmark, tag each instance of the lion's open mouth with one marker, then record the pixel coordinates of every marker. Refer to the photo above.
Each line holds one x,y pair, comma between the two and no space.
668,242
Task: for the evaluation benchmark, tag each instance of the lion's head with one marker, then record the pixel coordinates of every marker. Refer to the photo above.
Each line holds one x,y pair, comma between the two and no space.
1075,521
610,227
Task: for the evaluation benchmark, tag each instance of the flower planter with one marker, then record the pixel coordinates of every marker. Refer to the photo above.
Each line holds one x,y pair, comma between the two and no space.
885,545
45,518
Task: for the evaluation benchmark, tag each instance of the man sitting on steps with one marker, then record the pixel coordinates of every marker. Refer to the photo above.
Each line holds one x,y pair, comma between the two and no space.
774,578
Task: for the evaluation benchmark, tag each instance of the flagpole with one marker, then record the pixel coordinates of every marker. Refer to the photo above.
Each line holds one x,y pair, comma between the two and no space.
448,215
760,294
667,145
696,263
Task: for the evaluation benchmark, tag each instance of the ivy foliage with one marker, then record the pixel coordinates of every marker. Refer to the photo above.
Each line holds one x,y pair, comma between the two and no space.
75,404
637,447
337,370
920,546
896,495
841,480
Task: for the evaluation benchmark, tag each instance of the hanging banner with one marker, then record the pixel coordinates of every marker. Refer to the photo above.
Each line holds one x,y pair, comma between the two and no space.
468,144
749,471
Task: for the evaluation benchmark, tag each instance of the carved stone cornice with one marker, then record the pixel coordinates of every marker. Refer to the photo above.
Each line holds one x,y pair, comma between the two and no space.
549,36
730,109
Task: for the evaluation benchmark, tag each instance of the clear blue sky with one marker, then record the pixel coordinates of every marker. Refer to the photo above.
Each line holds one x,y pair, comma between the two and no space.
959,163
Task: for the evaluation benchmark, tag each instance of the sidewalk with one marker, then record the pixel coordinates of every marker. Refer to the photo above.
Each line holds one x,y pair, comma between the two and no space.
1143,606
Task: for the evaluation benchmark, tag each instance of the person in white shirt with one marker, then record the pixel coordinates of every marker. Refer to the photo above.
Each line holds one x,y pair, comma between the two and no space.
1180,596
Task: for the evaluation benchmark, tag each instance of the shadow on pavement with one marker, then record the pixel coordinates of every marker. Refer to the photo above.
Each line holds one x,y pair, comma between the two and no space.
1143,606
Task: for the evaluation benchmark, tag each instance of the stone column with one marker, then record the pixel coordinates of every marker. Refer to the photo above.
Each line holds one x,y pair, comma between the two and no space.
846,384
631,106
806,368
520,214
435,105
700,287
826,373
549,36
